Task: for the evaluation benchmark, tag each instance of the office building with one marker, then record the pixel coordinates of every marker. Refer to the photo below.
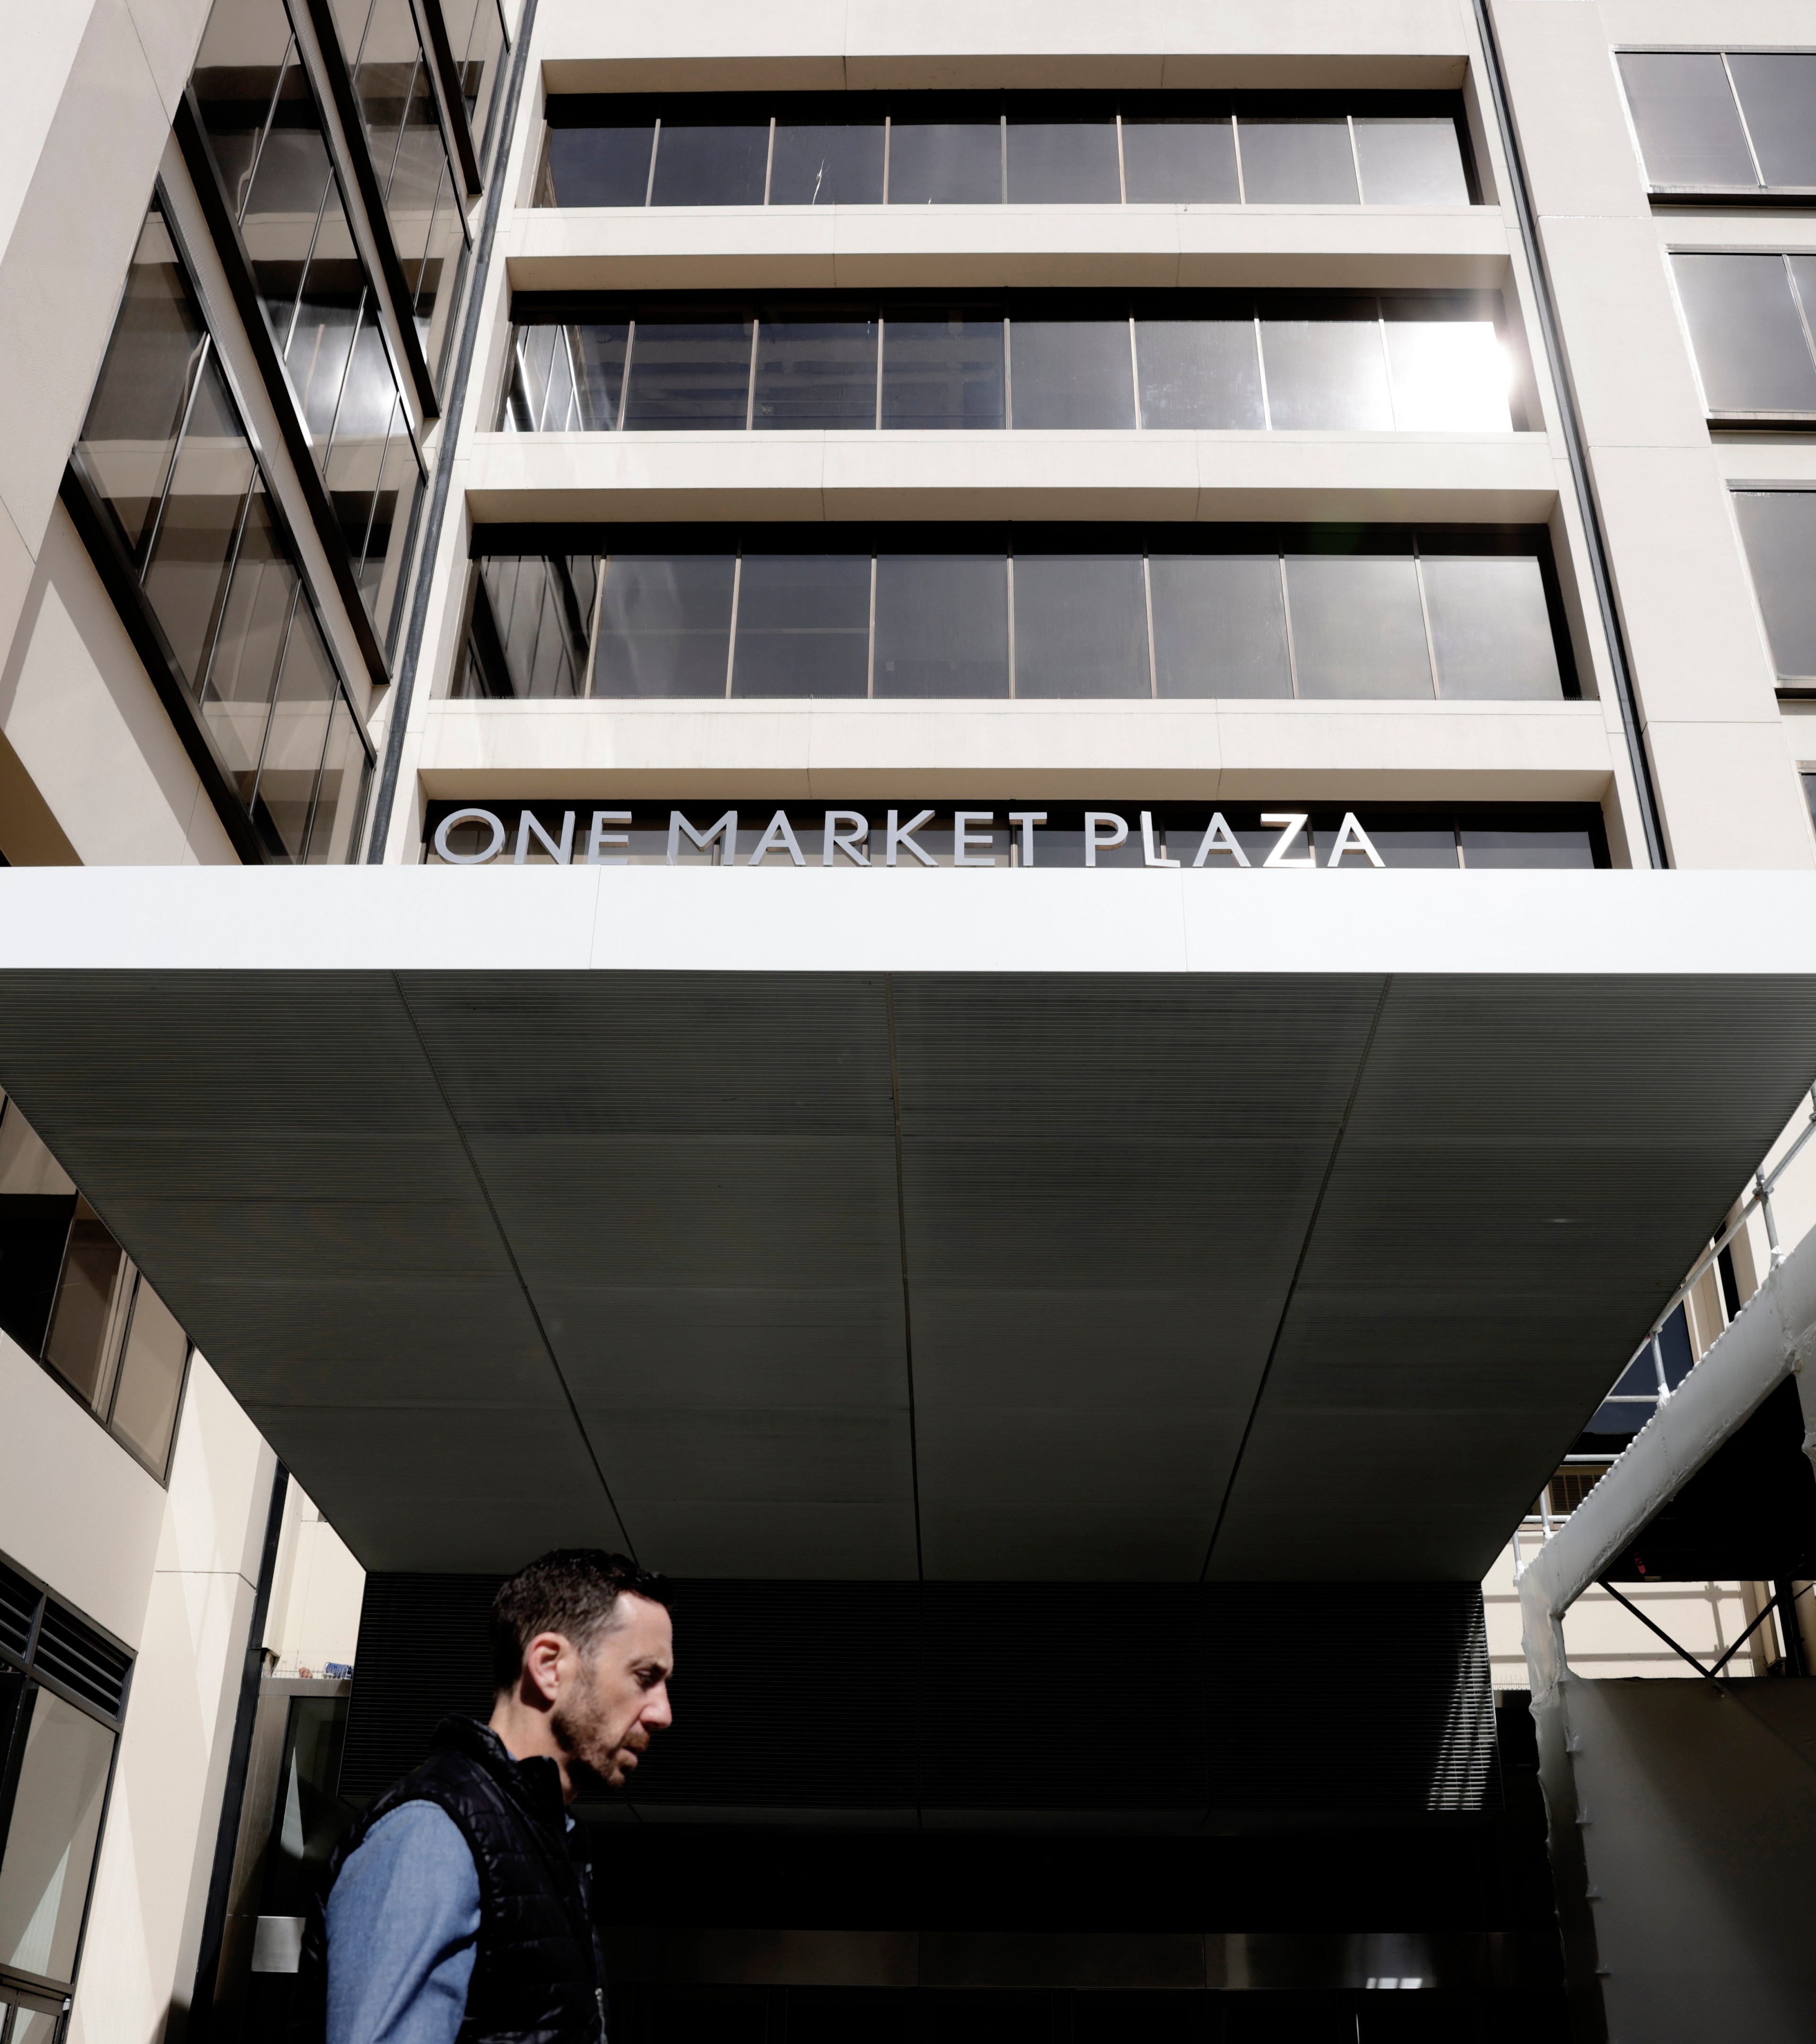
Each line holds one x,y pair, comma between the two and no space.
1047,783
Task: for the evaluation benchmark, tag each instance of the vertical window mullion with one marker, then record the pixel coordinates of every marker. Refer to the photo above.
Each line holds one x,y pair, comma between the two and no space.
291,56
204,348
1386,362
1286,612
769,161
1003,121
881,335
1356,158
593,624
655,144
1147,598
277,695
1122,167
731,636
227,581
1746,131
1135,372
624,379
1262,368
887,120
1803,311
870,666
1236,143
750,379
1009,379
1009,591
1425,613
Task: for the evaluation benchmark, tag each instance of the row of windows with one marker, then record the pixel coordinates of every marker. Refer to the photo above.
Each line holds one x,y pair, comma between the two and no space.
1432,363
259,111
856,836
1058,613
989,148
1751,320
190,524
71,1297
1736,121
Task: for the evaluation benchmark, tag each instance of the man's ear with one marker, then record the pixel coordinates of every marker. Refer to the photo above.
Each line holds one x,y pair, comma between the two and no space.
542,1667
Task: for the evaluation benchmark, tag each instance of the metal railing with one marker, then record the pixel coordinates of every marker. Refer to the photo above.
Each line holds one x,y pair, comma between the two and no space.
1758,1200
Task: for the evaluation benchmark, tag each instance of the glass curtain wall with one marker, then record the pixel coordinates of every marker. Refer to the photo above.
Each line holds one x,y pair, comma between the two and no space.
62,1693
393,83
164,453
71,1297
1752,325
1724,121
1053,613
1231,362
986,148
477,39
265,127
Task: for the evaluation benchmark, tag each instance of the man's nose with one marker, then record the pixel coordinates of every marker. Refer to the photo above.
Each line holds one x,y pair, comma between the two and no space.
657,1713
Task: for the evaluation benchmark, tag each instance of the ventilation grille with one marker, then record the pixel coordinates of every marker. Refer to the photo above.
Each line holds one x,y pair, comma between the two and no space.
72,1654
18,1607
808,1696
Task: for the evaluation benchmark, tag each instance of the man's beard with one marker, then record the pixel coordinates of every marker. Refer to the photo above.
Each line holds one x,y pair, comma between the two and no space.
578,1724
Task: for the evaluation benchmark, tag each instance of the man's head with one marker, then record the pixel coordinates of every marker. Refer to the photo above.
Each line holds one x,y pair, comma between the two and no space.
582,1652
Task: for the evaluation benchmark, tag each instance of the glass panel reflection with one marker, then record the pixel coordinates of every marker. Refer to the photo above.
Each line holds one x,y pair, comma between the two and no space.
294,741
804,625
151,1377
80,1345
336,826
1327,374
51,1840
690,375
1410,162
665,625
827,163
1183,162
707,163
1778,529
1200,373
943,625
1071,373
934,162
1219,626
1490,627
1296,162
1081,625
1778,93
1064,159
816,371
607,165
1450,376
1684,108
1750,337
241,679
943,374
1358,629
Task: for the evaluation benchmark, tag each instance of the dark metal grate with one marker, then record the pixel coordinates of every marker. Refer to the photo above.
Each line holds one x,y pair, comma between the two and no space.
74,1655
18,1609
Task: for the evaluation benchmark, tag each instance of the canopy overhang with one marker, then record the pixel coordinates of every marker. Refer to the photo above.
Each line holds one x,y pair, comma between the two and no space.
1015,1224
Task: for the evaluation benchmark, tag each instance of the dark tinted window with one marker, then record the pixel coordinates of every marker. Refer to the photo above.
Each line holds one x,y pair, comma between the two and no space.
1778,95
804,625
703,162
815,370
1072,373
1296,162
1689,125
826,162
944,373
690,375
1191,160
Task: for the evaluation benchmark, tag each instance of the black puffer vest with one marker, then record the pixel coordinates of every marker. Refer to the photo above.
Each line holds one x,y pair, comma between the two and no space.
538,1975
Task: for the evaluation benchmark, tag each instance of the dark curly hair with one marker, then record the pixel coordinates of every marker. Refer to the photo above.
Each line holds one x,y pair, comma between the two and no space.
571,1590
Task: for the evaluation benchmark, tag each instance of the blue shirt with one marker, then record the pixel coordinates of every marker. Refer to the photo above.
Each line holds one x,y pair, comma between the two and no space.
403,1920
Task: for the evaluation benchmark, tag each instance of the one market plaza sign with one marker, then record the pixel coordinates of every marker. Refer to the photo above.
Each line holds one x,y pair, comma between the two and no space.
862,835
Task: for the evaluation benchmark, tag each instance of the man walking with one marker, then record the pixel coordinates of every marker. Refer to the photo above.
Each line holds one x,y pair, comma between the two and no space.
458,1905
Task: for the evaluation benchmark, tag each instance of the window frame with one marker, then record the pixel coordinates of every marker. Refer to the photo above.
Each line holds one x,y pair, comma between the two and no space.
17,1977
1755,421
1776,197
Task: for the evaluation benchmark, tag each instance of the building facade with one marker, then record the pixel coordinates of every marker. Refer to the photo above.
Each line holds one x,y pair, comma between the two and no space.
464,433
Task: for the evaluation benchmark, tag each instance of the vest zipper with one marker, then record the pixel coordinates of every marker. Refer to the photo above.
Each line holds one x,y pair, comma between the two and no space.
599,1996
